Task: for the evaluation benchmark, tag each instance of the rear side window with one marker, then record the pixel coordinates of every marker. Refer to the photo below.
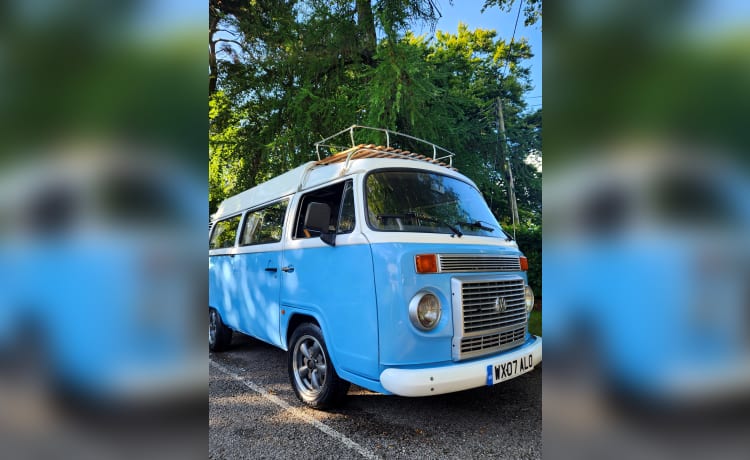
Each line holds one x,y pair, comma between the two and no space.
224,234
264,225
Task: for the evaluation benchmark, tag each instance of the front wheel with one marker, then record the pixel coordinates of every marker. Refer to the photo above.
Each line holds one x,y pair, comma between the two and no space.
311,371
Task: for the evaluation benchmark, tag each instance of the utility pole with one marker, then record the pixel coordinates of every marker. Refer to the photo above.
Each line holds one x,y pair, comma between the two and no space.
511,187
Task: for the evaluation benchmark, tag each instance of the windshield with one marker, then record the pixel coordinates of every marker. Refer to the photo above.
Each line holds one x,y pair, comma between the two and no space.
410,201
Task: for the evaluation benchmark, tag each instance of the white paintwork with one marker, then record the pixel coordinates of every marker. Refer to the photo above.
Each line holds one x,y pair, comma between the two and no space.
311,175
454,376
275,188
376,237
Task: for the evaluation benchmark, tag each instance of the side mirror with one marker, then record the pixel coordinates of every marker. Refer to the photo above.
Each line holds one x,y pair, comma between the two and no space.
318,218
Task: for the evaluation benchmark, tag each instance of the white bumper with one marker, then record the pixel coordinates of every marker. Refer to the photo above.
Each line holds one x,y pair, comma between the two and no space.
453,377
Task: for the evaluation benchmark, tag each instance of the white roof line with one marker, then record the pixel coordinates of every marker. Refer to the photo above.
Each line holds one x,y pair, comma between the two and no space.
311,174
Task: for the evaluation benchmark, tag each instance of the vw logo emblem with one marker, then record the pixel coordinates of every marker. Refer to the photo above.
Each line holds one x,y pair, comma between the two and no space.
500,305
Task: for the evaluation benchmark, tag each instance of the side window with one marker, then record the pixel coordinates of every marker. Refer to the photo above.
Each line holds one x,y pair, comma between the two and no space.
346,217
264,225
340,198
224,233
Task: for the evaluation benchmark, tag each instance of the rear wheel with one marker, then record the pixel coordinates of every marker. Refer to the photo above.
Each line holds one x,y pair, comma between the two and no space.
311,371
219,336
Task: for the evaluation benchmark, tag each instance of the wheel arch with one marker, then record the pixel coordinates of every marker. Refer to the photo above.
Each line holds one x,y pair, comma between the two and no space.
295,320
298,317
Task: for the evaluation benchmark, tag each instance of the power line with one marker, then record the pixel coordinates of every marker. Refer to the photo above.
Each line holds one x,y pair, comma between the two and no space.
512,37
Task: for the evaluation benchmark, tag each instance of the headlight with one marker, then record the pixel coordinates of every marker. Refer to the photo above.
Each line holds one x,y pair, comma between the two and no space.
528,295
424,310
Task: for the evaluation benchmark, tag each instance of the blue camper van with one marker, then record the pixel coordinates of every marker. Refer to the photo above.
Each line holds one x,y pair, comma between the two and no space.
375,266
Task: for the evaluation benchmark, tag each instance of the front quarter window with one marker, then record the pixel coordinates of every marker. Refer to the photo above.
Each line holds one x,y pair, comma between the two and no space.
416,201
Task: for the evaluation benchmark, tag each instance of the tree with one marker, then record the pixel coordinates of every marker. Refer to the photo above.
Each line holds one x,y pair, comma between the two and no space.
532,8
314,71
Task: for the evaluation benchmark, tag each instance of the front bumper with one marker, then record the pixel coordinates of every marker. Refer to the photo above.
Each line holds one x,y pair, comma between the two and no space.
453,377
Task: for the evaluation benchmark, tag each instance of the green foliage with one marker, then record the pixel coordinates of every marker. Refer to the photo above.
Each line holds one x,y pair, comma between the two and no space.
301,71
532,9
535,322
529,240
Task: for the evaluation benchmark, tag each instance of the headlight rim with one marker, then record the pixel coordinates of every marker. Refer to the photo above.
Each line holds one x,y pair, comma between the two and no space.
414,310
528,293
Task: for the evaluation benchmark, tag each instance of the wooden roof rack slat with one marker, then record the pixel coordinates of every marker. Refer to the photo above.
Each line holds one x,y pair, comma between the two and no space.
362,151
386,151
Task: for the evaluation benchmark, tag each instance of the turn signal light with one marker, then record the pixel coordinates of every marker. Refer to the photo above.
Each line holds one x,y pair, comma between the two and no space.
524,263
426,263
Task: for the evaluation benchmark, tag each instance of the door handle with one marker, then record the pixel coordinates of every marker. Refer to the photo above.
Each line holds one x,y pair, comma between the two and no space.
288,269
272,269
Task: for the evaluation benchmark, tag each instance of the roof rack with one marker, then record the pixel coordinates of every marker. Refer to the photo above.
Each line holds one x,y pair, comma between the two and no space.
354,149
376,151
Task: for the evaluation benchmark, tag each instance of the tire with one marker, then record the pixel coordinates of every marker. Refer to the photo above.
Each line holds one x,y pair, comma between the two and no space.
219,336
322,388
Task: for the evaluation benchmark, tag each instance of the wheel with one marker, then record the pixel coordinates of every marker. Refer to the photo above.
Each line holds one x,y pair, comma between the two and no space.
219,336
311,371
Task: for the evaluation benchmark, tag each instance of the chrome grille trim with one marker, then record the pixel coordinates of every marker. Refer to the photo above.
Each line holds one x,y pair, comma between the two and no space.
479,345
460,263
479,327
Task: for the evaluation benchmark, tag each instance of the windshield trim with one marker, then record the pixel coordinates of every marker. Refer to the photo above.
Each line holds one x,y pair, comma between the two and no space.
417,170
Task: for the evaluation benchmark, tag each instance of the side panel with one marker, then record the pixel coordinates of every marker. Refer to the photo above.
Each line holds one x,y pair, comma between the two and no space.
244,281
258,271
223,288
336,285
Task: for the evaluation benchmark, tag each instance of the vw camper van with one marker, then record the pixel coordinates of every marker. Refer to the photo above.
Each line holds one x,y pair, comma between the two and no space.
374,266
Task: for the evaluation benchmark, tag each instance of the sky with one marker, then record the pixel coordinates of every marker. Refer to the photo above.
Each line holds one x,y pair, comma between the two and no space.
469,12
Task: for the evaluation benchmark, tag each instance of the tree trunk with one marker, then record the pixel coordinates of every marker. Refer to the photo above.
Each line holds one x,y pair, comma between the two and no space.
366,25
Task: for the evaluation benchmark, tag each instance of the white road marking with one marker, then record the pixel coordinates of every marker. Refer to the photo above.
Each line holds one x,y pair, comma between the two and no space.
366,453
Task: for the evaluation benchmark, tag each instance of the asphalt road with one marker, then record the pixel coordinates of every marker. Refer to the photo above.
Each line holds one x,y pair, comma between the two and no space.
253,413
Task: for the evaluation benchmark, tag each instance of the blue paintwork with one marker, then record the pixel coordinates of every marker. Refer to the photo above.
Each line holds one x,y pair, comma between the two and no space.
103,315
245,294
362,307
335,285
651,312
358,292
397,282
109,304
258,294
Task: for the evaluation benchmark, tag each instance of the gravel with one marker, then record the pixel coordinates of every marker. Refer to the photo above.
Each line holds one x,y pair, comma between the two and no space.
503,421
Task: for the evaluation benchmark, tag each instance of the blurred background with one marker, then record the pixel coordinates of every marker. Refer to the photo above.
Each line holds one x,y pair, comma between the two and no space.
646,214
103,177
646,204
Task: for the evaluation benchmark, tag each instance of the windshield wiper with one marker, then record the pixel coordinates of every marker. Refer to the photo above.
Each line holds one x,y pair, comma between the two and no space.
414,215
476,224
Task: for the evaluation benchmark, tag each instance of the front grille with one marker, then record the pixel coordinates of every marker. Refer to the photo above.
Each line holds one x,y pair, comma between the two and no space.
455,263
491,341
481,309
489,315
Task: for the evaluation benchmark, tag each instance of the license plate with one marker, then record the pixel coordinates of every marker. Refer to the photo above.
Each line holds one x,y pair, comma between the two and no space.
501,372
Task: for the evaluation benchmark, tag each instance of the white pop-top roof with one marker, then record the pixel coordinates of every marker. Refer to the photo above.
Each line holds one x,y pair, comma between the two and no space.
275,188
315,173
